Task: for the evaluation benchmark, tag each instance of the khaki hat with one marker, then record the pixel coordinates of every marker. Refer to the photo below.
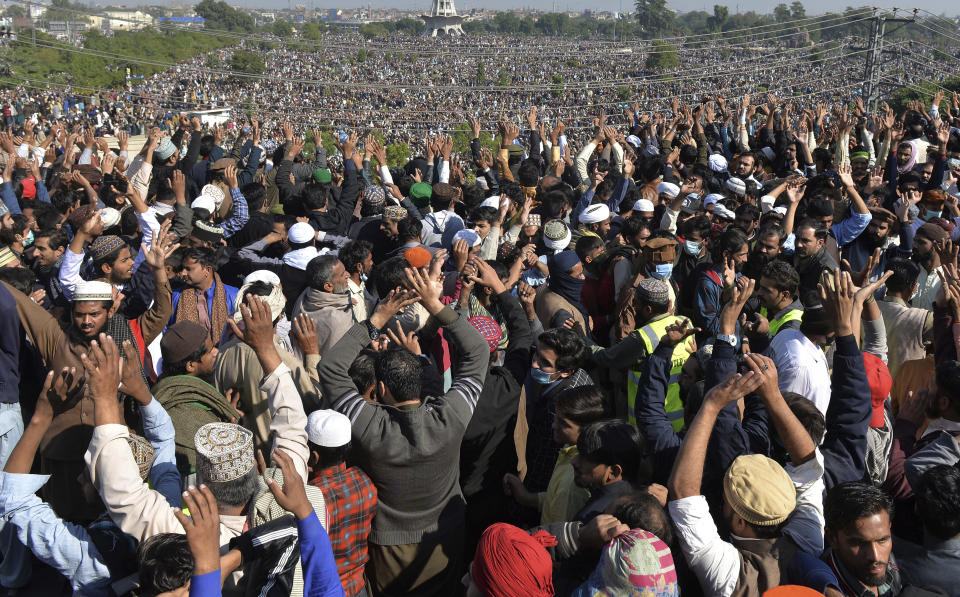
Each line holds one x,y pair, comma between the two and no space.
759,490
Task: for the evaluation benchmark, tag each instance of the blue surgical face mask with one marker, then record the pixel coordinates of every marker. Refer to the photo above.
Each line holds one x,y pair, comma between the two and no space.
28,239
930,214
540,376
662,271
363,277
692,247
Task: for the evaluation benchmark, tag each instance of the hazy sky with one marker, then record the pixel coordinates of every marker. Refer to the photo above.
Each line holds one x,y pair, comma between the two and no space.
813,7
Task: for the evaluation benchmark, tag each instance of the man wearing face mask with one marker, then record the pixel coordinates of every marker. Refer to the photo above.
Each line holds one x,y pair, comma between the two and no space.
559,299
694,235
656,261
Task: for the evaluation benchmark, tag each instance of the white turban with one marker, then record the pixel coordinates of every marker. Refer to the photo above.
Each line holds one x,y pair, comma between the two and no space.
669,189
595,213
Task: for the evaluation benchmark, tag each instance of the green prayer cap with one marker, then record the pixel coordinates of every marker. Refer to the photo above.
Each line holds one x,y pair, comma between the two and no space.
322,175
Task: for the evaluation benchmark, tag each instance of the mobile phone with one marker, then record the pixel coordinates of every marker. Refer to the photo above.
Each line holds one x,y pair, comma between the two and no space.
343,136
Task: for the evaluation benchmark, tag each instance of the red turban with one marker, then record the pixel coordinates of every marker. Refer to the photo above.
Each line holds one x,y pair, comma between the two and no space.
512,563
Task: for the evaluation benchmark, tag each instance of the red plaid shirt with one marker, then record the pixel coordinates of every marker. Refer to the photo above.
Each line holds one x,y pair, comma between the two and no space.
351,501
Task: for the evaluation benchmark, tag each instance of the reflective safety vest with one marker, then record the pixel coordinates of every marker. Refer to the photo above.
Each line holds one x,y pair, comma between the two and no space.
651,334
787,317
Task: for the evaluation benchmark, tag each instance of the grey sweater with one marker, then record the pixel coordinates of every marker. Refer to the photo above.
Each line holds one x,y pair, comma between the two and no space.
411,454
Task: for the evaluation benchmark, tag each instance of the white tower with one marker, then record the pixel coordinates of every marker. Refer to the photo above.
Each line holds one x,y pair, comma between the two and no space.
442,20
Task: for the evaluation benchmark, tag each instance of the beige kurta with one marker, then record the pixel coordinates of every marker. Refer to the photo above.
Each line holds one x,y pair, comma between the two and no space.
239,368
143,512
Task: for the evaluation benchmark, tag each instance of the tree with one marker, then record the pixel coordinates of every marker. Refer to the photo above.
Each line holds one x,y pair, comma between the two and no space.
409,26
14,12
220,15
507,22
373,30
654,16
797,11
247,62
663,56
282,29
362,55
781,13
554,23
622,93
481,73
720,16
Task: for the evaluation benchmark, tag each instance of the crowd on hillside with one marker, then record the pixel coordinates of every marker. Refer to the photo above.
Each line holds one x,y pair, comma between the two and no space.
409,87
710,349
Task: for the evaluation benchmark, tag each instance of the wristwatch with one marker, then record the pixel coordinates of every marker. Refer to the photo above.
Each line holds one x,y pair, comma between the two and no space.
372,330
731,339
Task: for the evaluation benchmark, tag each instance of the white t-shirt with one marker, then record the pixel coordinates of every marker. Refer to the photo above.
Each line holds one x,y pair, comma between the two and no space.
801,367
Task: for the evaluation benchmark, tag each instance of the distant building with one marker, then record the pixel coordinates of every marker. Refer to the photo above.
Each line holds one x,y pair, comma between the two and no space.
128,20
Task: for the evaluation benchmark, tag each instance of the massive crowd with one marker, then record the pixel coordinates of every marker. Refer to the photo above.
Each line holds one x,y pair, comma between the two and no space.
709,348
409,87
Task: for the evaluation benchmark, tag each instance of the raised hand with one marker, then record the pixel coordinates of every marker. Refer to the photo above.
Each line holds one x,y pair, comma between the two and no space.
61,392
486,276
735,388
305,334
408,340
677,333
293,496
399,298
202,528
258,329
429,291
837,292
102,365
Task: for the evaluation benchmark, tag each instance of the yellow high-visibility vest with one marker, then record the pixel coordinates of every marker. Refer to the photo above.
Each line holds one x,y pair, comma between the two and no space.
651,334
788,316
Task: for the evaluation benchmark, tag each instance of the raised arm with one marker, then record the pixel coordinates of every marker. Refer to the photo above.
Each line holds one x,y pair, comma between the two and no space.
132,505
288,422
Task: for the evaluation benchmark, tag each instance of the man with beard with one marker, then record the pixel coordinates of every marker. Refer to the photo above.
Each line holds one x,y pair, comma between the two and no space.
185,389
811,258
747,218
765,250
909,329
717,281
860,540
877,235
780,307
237,366
326,300
92,311
926,256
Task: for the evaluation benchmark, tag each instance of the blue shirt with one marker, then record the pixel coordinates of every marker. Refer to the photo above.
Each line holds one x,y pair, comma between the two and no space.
320,577
68,547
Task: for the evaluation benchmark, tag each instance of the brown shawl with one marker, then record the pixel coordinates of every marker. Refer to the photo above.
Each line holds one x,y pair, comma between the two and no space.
187,308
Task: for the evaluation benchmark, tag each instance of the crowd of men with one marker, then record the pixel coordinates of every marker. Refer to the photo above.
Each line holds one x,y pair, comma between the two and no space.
713,350
409,86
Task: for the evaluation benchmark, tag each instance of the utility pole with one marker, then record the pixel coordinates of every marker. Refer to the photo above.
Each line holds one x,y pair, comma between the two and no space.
874,58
